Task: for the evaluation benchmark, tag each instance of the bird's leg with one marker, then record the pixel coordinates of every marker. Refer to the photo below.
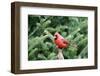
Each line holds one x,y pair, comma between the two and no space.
60,54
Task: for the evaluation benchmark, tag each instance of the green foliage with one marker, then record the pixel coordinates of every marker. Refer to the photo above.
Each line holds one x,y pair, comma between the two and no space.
40,36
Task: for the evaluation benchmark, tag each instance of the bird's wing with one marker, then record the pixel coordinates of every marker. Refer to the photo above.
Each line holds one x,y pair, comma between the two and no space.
64,41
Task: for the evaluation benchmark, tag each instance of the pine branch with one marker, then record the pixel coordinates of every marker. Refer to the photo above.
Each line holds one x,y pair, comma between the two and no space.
83,52
32,52
49,34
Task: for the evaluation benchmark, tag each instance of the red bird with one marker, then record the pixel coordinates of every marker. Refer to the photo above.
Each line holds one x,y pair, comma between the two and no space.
60,41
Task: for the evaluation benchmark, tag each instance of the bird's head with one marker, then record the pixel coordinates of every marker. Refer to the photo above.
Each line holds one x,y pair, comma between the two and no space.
56,35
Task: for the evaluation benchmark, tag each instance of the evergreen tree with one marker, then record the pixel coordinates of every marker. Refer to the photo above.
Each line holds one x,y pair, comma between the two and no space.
41,30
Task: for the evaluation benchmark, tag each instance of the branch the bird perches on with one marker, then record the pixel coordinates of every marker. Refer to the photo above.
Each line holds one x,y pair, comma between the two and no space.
60,54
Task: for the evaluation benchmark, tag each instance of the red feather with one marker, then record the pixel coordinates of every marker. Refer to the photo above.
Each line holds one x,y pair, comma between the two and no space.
60,41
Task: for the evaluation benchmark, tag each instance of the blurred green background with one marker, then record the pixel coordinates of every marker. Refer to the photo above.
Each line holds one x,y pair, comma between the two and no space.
40,36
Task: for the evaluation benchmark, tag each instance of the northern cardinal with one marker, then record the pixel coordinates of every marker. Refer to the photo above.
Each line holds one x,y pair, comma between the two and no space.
60,41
